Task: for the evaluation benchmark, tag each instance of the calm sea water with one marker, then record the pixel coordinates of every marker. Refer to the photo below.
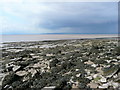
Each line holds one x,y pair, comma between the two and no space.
19,38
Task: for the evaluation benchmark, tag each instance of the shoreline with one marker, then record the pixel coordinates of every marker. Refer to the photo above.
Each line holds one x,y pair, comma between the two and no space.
31,38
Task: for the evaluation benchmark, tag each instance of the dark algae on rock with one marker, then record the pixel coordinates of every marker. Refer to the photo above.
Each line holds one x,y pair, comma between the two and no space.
61,65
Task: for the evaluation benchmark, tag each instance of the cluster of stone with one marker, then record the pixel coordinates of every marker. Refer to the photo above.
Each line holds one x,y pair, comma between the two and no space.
61,64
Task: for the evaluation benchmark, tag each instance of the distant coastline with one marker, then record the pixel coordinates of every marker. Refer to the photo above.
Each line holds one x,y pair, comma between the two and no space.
42,37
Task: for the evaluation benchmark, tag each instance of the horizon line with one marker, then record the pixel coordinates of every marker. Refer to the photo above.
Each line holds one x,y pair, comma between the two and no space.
58,33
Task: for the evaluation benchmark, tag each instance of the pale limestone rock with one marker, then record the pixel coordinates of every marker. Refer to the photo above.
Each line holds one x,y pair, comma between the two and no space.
99,69
15,68
118,57
108,61
49,88
76,70
32,54
25,78
32,71
36,56
104,86
89,77
87,71
74,86
94,65
103,79
115,60
37,65
49,55
78,75
92,85
95,75
21,73
89,62
115,85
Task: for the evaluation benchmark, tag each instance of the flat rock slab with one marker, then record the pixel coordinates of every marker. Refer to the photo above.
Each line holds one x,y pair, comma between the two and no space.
21,73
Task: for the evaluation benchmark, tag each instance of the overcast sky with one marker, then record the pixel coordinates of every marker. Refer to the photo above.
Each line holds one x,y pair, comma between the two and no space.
59,17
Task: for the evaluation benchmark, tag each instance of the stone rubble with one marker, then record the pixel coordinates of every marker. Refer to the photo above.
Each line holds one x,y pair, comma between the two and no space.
63,64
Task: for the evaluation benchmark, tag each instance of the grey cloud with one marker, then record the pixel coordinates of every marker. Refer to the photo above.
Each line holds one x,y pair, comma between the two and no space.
97,16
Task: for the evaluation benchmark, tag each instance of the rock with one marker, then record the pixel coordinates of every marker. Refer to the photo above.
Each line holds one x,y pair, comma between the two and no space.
71,80
2,75
109,72
107,66
75,62
103,79
101,54
115,85
32,54
104,86
89,62
115,76
87,71
92,85
32,71
37,65
49,55
15,68
21,73
108,61
9,67
10,78
8,87
78,75
99,69
94,65
118,57
95,75
81,86
110,83
115,60
74,86
76,70
97,78
49,88
35,56
25,78
16,59
89,77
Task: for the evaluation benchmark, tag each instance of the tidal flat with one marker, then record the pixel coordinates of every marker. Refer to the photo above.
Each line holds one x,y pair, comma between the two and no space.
60,64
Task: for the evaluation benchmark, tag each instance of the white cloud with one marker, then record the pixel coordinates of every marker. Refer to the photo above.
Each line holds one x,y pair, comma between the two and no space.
30,15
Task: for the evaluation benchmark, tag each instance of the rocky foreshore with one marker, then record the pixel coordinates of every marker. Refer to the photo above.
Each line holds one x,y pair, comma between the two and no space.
60,65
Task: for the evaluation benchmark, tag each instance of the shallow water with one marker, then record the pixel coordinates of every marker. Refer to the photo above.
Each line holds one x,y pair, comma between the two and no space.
18,38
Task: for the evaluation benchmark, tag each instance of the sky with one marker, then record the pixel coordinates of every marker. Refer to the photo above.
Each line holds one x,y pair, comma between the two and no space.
35,17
